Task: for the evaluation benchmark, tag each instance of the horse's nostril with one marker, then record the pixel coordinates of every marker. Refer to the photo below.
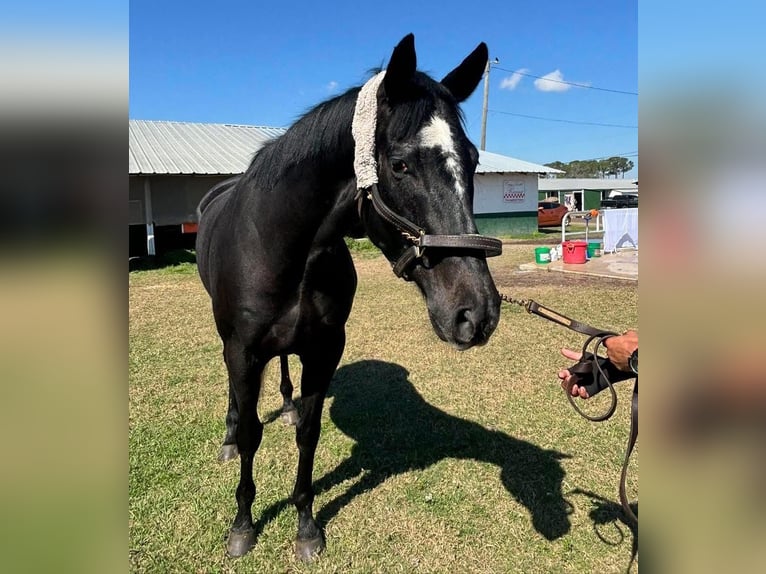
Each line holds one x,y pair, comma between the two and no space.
472,327
465,326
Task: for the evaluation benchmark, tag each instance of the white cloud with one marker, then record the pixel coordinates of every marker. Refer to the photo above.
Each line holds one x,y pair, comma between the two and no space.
552,82
332,86
513,80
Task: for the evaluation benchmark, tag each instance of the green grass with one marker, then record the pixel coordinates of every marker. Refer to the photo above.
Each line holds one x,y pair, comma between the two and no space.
523,236
362,247
176,262
430,460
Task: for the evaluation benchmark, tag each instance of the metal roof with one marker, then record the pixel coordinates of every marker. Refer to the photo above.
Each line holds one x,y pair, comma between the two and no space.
577,184
185,148
495,163
176,148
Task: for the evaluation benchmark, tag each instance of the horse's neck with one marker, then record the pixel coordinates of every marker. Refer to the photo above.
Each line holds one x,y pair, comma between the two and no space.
311,196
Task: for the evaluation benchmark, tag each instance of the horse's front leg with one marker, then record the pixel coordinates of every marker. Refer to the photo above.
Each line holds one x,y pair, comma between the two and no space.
289,412
245,379
319,364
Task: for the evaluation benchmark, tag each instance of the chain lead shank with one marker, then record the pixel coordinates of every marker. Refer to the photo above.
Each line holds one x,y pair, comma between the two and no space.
521,302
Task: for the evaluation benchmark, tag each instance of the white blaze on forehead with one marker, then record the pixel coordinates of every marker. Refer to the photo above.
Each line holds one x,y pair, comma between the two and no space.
437,134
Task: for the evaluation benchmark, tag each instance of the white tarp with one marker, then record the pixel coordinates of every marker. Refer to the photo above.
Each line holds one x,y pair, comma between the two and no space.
620,228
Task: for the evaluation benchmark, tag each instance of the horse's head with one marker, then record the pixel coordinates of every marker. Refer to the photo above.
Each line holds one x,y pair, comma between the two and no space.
425,169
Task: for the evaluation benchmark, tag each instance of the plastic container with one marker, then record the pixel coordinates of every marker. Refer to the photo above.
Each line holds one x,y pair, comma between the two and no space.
542,255
594,249
574,251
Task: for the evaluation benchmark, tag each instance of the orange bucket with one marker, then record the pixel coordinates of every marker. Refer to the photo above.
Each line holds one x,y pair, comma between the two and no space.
574,251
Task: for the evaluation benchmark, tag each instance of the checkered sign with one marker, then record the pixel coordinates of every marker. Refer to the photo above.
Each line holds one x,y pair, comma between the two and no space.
513,191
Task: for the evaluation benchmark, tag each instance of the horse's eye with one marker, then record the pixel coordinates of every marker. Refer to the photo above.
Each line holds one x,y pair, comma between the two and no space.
399,166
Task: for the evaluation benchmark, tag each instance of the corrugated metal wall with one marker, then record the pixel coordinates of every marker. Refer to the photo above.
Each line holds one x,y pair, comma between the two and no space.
174,198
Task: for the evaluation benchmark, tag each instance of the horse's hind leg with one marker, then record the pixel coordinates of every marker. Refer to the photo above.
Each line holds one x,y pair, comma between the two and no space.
318,367
228,449
245,379
289,412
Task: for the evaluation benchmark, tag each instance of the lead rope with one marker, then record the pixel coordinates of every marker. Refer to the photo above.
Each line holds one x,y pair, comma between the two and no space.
590,363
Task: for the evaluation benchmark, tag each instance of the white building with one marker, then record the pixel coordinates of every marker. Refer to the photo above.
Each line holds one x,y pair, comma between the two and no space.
173,164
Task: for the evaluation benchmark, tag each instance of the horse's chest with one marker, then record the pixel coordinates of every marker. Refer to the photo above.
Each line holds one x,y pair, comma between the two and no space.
319,310
311,317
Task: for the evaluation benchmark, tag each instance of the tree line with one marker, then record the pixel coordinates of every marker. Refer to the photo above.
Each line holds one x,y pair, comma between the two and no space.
601,168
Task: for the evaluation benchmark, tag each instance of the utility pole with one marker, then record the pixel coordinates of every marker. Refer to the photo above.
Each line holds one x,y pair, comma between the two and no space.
483,143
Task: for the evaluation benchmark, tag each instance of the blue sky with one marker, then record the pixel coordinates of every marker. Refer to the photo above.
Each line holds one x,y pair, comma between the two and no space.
267,63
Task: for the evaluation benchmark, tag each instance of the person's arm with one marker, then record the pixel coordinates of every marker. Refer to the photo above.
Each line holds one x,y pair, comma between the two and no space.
620,348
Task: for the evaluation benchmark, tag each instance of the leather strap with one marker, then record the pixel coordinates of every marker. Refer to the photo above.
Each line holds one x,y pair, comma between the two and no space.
421,240
600,369
556,317
489,245
400,222
406,259
631,443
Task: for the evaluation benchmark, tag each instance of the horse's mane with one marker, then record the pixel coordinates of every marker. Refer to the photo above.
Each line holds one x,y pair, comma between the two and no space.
325,129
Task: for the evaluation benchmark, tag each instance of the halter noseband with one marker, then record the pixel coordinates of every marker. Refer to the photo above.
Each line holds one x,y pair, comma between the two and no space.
419,238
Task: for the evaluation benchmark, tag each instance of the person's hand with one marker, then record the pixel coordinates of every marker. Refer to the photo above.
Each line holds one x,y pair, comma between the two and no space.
568,380
620,348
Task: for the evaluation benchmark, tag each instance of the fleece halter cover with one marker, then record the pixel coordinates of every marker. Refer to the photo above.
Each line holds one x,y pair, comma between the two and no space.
363,131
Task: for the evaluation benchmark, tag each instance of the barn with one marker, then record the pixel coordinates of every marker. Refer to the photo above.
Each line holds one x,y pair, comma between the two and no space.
505,194
173,164
586,193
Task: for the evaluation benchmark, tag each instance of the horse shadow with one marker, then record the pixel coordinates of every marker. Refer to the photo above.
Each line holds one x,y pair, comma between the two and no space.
607,512
397,431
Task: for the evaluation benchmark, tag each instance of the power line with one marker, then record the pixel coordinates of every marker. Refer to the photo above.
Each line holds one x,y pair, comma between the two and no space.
568,83
628,154
625,155
564,121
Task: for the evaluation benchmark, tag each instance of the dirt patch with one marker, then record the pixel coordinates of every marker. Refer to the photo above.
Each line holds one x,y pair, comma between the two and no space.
507,274
518,277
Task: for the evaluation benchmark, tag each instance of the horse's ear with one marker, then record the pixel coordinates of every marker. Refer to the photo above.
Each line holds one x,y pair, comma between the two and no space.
401,68
462,81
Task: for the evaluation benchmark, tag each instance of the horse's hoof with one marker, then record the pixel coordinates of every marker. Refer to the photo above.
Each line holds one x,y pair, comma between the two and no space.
240,542
228,452
290,418
307,550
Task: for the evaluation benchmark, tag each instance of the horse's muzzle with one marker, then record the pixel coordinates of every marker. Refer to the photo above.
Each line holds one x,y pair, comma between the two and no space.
473,327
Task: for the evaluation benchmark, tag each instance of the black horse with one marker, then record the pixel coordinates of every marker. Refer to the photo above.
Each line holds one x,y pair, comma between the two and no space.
272,257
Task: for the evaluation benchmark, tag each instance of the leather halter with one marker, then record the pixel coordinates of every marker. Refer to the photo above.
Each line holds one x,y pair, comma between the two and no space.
421,240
